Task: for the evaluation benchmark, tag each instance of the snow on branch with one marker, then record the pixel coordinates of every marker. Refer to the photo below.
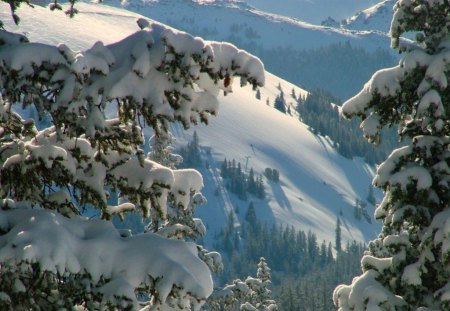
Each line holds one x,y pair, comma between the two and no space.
155,76
115,265
389,93
151,78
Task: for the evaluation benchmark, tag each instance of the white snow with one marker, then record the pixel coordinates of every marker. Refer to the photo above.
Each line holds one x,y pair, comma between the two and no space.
265,28
313,11
365,294
316,183
64,245
377,17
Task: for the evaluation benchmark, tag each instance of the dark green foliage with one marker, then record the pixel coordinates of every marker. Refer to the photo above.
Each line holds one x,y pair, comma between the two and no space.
324,118
370,196
191,153
272,174
338,241
280,103
304,272
339,68
250,215
239,183
40,290
258,94
313,291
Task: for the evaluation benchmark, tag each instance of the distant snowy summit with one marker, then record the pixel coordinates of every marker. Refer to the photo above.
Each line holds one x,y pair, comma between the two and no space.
313,11
375,18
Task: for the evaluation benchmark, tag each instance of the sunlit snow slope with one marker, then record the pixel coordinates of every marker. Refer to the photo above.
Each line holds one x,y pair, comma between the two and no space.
316,184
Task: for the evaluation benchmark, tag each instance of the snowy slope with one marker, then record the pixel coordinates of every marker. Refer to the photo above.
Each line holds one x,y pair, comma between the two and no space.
377,17
225,20
292,49
316,184
313,11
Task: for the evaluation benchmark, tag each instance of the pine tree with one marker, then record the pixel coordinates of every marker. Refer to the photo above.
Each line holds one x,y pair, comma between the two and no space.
338,245
251,182
250,215
253,294
406,266
224,169
370,196
258,94
260,186
61,260
280,103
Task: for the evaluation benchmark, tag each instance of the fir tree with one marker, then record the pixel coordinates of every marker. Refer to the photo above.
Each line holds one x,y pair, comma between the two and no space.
280,103
338,245
370,196
62,260
258,94
406,266
250,215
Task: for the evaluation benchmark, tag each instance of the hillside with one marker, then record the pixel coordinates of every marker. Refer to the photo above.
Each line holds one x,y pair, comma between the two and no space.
243,23
312,56
316,184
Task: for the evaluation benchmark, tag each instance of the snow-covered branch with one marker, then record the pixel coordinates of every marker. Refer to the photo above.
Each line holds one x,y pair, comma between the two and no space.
49,255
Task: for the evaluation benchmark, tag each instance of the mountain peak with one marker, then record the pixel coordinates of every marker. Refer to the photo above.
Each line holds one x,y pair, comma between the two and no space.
376,17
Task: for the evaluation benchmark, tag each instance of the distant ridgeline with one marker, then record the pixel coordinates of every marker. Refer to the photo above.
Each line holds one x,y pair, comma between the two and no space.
340,68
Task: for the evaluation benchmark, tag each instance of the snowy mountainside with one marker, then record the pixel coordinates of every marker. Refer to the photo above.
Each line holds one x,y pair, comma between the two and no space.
316,184
221,20
377,17
312,56
313,11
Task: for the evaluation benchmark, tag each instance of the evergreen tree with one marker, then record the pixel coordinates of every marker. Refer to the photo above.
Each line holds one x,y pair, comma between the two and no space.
406,267
258,94
161,147
260,187
338,245
370,196
224,169
253,294
61,260
280,103
191,153
323,253
250,215
330,253
251,182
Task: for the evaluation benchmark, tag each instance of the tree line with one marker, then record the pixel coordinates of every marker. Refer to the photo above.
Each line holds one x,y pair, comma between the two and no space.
296,257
